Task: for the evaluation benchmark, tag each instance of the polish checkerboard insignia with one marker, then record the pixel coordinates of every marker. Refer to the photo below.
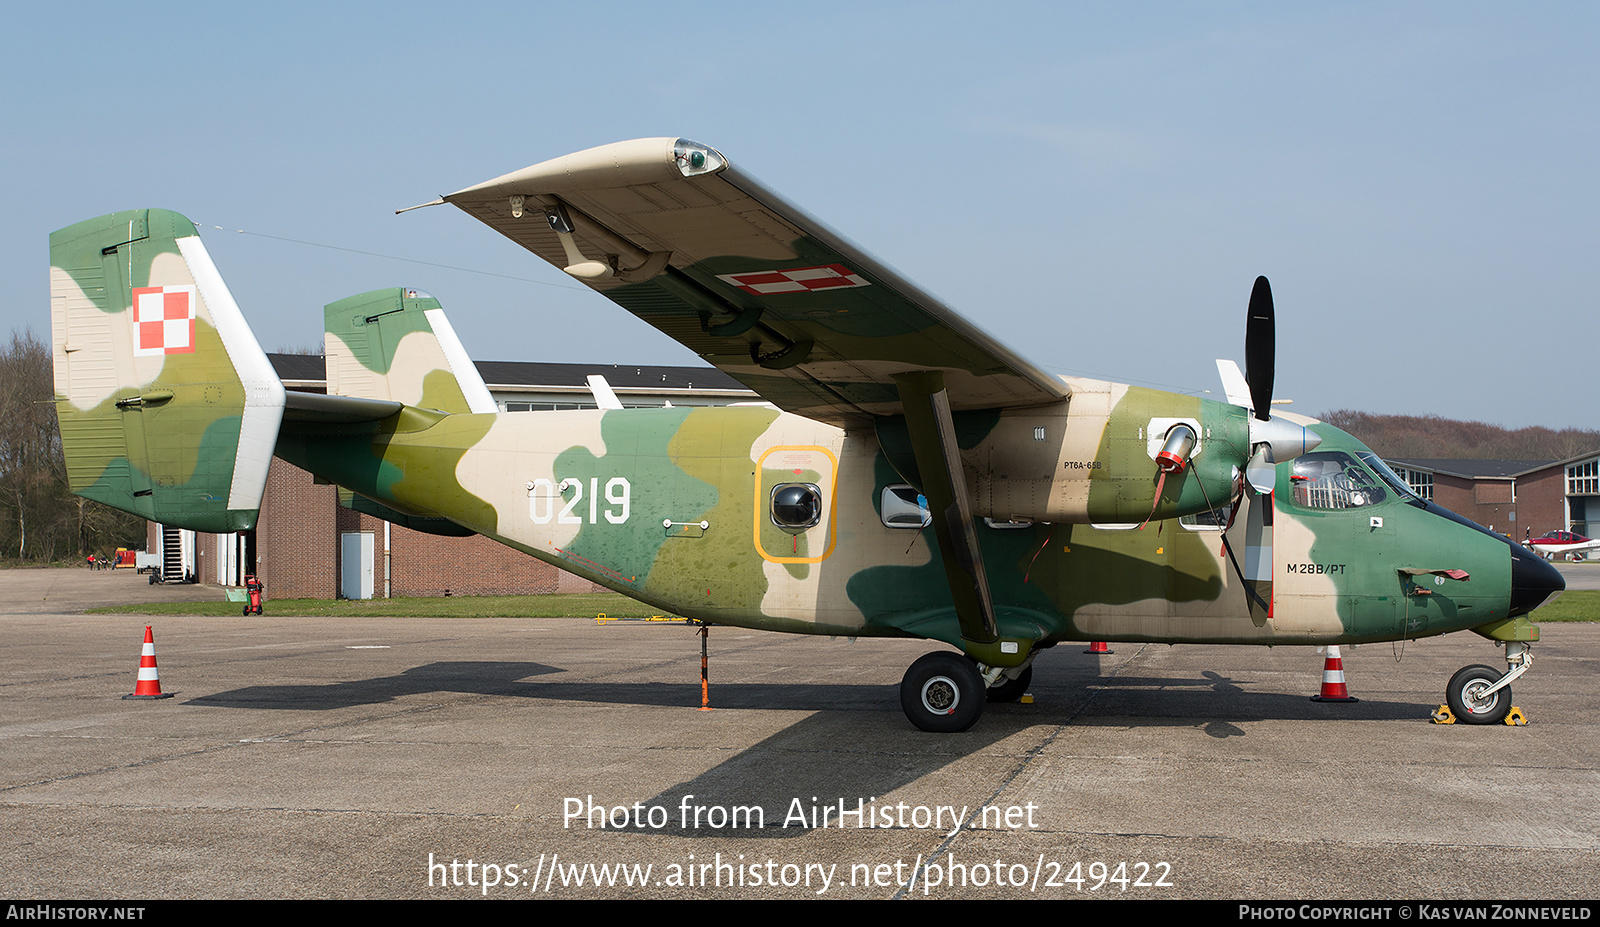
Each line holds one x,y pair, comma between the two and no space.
795,280
164,318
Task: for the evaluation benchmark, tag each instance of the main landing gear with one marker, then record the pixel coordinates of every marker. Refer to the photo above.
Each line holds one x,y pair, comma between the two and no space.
1009,689
1481,694
945,692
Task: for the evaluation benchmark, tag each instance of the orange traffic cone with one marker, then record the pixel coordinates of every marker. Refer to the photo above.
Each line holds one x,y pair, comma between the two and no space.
1333,689
149,684
1099,647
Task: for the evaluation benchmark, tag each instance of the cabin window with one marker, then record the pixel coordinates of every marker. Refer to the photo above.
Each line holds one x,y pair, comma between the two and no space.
796,506
1214,520
902,506
1334,480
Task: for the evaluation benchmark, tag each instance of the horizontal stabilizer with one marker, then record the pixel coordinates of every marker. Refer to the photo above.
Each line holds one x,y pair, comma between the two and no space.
336,410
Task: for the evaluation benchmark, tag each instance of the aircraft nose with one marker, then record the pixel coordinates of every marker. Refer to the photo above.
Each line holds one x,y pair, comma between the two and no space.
1533,581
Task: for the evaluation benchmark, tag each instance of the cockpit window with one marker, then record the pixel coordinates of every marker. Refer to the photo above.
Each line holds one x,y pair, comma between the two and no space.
1400,486
1334,480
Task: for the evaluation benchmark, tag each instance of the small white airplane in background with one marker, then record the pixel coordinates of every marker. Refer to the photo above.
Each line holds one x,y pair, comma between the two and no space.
1564,544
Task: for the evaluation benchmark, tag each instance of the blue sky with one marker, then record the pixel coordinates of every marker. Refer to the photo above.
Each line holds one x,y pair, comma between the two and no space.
1096,185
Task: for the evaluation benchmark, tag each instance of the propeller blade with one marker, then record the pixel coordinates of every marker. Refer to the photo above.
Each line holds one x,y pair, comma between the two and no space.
1261,473
1260,346
1234,385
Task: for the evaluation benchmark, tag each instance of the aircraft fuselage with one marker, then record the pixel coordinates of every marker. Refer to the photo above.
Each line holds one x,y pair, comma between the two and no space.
675,506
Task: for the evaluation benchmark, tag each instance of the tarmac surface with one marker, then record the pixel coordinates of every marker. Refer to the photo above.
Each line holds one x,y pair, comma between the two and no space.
312,758
1584,575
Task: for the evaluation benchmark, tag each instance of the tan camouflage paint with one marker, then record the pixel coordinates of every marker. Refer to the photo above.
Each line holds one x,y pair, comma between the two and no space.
673,505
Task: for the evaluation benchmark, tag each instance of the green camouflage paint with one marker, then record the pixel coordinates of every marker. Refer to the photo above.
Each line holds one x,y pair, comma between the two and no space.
675,506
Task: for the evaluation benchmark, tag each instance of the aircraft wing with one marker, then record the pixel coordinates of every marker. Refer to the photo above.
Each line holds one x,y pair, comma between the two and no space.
672,232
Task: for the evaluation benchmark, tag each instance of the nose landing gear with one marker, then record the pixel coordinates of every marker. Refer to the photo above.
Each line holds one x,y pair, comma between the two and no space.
1481,695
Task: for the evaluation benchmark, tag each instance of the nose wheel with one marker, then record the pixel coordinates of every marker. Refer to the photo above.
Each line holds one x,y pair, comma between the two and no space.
1482,694
1471,700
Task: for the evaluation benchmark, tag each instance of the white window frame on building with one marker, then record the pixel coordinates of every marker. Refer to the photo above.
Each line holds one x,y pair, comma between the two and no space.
1420,481
1583,479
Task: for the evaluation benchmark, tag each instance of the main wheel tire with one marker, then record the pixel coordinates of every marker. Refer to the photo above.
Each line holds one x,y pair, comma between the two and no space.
1465,702
1009,690
942,692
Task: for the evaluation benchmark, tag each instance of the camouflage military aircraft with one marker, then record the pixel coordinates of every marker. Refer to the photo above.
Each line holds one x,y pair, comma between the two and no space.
907,476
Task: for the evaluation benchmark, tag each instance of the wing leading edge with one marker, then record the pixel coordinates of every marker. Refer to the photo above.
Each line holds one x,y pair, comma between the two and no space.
672,232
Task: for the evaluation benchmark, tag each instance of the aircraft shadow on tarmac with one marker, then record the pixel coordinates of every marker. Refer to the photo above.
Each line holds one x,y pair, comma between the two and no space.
783,777
783,769
511,679
1061,697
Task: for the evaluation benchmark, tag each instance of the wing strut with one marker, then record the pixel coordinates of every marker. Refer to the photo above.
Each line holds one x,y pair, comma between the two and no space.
933,442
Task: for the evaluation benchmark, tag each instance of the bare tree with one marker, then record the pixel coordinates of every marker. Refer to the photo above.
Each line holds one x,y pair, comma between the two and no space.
43,520
1432,436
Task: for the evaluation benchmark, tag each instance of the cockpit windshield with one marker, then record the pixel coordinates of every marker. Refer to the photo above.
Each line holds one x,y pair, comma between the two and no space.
1400,486
1334,480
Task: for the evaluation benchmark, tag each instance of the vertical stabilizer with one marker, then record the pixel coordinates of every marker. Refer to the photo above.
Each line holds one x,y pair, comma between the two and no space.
169,408
397,344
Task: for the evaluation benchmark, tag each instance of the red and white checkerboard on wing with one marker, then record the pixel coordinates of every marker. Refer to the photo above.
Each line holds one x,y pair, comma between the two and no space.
795,280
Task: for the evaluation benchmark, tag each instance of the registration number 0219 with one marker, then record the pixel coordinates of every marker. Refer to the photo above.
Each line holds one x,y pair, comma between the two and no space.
548,501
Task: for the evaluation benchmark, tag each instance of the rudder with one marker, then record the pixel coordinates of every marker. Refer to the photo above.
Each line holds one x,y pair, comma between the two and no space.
396,344
169,408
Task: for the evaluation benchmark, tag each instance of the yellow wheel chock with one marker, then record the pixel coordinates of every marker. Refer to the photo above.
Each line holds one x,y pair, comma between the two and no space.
1514,717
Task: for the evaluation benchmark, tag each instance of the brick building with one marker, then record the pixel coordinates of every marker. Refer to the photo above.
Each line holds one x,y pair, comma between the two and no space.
1518,498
